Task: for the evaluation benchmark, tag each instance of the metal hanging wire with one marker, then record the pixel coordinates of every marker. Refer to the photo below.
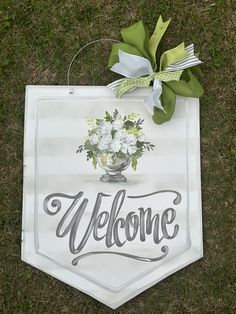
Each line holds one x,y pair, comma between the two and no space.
79,51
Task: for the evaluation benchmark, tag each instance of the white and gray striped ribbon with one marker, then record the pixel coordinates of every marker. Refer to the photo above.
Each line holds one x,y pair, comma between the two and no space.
188,62
114,85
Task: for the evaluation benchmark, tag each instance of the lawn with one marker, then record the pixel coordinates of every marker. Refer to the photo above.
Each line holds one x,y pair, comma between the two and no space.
38,39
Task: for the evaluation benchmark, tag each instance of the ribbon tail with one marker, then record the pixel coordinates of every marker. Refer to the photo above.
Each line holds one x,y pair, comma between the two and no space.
153,100
125,86
150,104
115,85
156,37
188,62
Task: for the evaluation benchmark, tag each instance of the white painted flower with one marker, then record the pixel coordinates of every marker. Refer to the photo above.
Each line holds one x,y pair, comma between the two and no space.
142,138
93,139
119,135
104,128
115,146
132,149
131,139
117,124
128,149
104,142
102,145
124,148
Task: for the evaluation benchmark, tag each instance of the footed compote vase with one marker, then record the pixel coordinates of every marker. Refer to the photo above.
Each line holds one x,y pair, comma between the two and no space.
113,166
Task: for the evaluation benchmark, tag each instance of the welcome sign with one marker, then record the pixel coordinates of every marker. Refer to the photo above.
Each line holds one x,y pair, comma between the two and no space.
112,202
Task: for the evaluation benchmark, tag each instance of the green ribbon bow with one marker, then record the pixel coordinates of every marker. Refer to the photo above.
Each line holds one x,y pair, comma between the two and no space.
136,41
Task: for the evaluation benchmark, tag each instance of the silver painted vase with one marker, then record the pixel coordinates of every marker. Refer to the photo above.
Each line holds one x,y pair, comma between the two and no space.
113,166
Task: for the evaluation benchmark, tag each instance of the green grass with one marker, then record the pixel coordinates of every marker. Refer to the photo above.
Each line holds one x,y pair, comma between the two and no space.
38,39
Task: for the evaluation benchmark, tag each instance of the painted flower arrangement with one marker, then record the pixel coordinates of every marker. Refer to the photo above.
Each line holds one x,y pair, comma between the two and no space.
115,142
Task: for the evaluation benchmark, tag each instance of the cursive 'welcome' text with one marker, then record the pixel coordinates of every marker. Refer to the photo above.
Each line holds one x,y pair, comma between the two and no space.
108,225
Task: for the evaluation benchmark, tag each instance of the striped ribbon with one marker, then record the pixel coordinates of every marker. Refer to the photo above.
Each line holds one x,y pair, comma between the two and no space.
188,62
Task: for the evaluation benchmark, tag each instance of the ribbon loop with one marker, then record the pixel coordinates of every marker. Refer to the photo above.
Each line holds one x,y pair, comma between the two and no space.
131,65
156,37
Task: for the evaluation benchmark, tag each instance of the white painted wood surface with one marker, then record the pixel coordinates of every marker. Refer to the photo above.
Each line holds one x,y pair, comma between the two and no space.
54,127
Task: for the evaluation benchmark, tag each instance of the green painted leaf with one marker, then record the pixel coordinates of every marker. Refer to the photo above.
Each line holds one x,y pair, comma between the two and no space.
134,163
137,36
188,86
94,161
156,38
114,58
168,99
